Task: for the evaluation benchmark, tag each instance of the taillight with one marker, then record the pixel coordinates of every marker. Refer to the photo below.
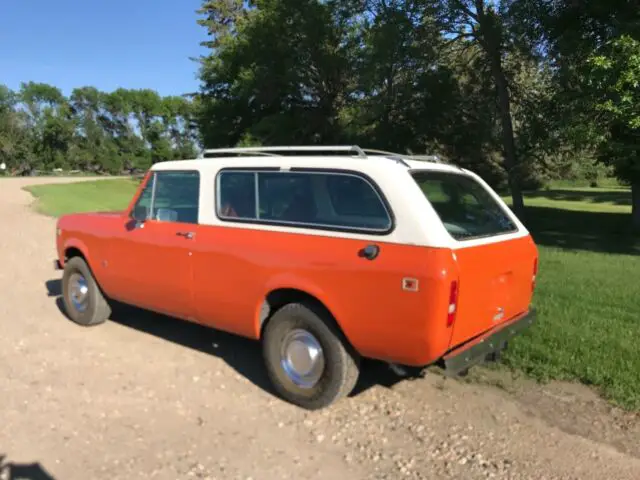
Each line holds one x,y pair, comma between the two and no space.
453,303
535,272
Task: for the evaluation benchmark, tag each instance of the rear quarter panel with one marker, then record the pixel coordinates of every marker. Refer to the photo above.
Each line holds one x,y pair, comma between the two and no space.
236,268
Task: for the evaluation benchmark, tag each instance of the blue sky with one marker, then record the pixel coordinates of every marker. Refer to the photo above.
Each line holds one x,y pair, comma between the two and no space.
103,43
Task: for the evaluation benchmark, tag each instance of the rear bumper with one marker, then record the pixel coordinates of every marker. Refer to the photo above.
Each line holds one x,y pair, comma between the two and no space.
495,340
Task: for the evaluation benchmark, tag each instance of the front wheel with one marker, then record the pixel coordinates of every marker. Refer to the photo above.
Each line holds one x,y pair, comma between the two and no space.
307,359
84,303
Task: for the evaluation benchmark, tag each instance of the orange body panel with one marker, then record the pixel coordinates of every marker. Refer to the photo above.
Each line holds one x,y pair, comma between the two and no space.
222,276
495,285
151,267
235,269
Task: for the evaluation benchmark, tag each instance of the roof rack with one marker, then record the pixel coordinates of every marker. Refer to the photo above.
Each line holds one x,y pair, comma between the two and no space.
404,156
344,149
426,158
352,149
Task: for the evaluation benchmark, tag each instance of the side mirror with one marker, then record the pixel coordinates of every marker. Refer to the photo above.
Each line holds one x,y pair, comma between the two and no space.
140,213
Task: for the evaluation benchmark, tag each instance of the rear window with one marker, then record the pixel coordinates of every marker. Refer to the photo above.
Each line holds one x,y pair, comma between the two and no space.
464,206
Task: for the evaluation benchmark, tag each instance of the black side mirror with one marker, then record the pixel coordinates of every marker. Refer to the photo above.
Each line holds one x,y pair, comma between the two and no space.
140,213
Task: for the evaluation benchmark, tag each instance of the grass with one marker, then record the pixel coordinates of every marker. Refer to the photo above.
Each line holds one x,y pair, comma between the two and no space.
588,323
588,293
606,182
101,195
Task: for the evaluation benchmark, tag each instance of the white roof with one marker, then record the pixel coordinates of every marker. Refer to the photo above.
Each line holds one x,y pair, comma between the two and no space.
351,157
417,223
346,162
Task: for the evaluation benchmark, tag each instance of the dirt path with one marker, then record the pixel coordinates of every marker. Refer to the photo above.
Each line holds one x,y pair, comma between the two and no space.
145,396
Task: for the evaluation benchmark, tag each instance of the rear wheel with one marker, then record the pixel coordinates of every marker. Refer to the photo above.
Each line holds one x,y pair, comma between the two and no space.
308,361
84,303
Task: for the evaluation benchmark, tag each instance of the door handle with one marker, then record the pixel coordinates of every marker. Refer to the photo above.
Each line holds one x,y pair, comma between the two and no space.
187,235
370,252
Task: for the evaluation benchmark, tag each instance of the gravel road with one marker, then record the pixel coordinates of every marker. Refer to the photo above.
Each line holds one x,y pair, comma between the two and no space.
145,396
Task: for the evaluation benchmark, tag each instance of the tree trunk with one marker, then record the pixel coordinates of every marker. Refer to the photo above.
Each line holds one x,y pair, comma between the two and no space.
508,141
635,204
489,37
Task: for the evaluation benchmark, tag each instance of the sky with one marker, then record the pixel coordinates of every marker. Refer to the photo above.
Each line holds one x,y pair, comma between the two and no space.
107,44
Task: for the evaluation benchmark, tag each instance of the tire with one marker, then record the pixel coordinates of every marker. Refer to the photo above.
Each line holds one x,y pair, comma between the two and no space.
340,366
90,308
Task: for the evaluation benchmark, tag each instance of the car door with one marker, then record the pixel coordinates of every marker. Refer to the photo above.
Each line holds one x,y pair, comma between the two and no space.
151,260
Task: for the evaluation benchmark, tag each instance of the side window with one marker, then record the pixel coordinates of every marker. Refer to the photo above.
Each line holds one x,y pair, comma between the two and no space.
287,197
353,196
236,195
176,197
142,208
310,199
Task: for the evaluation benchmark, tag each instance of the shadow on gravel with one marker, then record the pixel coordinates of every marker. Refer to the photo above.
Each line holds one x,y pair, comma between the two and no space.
22,471
241,354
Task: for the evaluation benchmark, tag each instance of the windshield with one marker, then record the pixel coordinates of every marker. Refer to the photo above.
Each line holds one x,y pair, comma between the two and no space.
464,206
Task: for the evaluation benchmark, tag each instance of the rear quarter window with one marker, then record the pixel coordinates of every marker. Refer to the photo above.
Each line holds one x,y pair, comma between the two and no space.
466,209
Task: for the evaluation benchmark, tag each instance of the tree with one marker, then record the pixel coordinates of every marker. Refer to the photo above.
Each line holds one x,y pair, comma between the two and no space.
91,130
278,71
490,25
470,129
404,90
91,143
497,86
593,50
51,123
178,117
613,78
15,146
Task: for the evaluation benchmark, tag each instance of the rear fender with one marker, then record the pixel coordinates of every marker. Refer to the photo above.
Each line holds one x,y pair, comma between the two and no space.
295,282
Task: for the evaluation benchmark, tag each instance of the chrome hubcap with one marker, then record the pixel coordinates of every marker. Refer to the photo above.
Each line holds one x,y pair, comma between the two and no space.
302,358
79,292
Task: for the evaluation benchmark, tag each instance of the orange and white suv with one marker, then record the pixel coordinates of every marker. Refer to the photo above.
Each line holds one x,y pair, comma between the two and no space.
325,255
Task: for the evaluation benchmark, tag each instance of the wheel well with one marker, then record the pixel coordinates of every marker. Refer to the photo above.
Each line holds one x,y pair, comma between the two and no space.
73,252
284,296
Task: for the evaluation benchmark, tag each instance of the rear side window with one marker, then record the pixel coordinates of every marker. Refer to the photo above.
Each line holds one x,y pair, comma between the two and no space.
464,206
287,197
352,196
237,195
333,201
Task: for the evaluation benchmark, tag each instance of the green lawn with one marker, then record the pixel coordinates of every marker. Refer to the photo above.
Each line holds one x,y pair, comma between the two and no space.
588,294
87,196
588,324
